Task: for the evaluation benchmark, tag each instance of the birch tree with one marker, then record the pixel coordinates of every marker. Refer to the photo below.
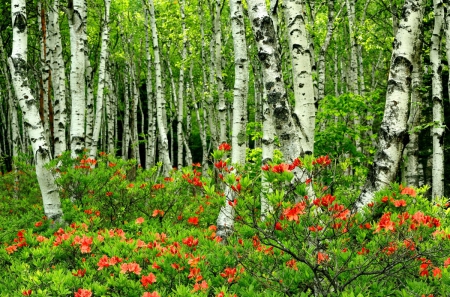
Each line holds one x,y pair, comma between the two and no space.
393,130
160,102
76,14
286,123
304,109
41,151
438,128
101,81
57,66
225,221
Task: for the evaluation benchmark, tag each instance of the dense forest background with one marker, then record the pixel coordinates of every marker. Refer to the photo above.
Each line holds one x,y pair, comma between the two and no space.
349,46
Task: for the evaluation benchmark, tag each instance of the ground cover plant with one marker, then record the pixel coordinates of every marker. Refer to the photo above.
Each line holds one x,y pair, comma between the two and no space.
131,232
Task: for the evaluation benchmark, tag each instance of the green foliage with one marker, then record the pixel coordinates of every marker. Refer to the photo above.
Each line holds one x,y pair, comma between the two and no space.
132,231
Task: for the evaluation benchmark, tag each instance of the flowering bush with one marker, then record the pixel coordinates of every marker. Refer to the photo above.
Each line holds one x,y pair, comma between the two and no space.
145,235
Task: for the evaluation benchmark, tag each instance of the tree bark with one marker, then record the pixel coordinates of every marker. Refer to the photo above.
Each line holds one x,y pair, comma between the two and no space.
77,23
58,80
32,121
287,124
393,131
304,109
160,102
437,186
101,81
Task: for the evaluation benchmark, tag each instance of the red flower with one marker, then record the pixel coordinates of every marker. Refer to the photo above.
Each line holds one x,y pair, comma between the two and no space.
386,223
194,272
158,212
280,168
202,286
321,257
220,164
229,273
158,186
292,213
193,221
408,191
139,220
322,160
38,224
130,267
363,251
80,273
224,147
278,226
190,241
292,264
109,194
148,279
27,292
265,167
83,293
399,203
437,272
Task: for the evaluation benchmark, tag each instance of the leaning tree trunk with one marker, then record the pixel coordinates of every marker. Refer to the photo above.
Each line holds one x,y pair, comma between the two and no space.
160,104
304,109
101,82
286,123
77,23
35,130
225,220
393,131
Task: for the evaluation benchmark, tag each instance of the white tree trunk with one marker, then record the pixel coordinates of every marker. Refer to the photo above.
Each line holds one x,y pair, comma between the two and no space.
180,103
101,81
160,103
438,128
286,124
41,151
304,109
225,220
393,130
77,23
411,153
222,105
45,85
126,117
58,80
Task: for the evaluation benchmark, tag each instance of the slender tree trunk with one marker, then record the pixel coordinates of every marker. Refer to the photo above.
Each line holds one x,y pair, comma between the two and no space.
58,80
101,81
110,114
151,108
393,131
222,105
411,153
76,13
304,109
126,117
160,102
45,83
180,103
225,220
438,128
41,151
